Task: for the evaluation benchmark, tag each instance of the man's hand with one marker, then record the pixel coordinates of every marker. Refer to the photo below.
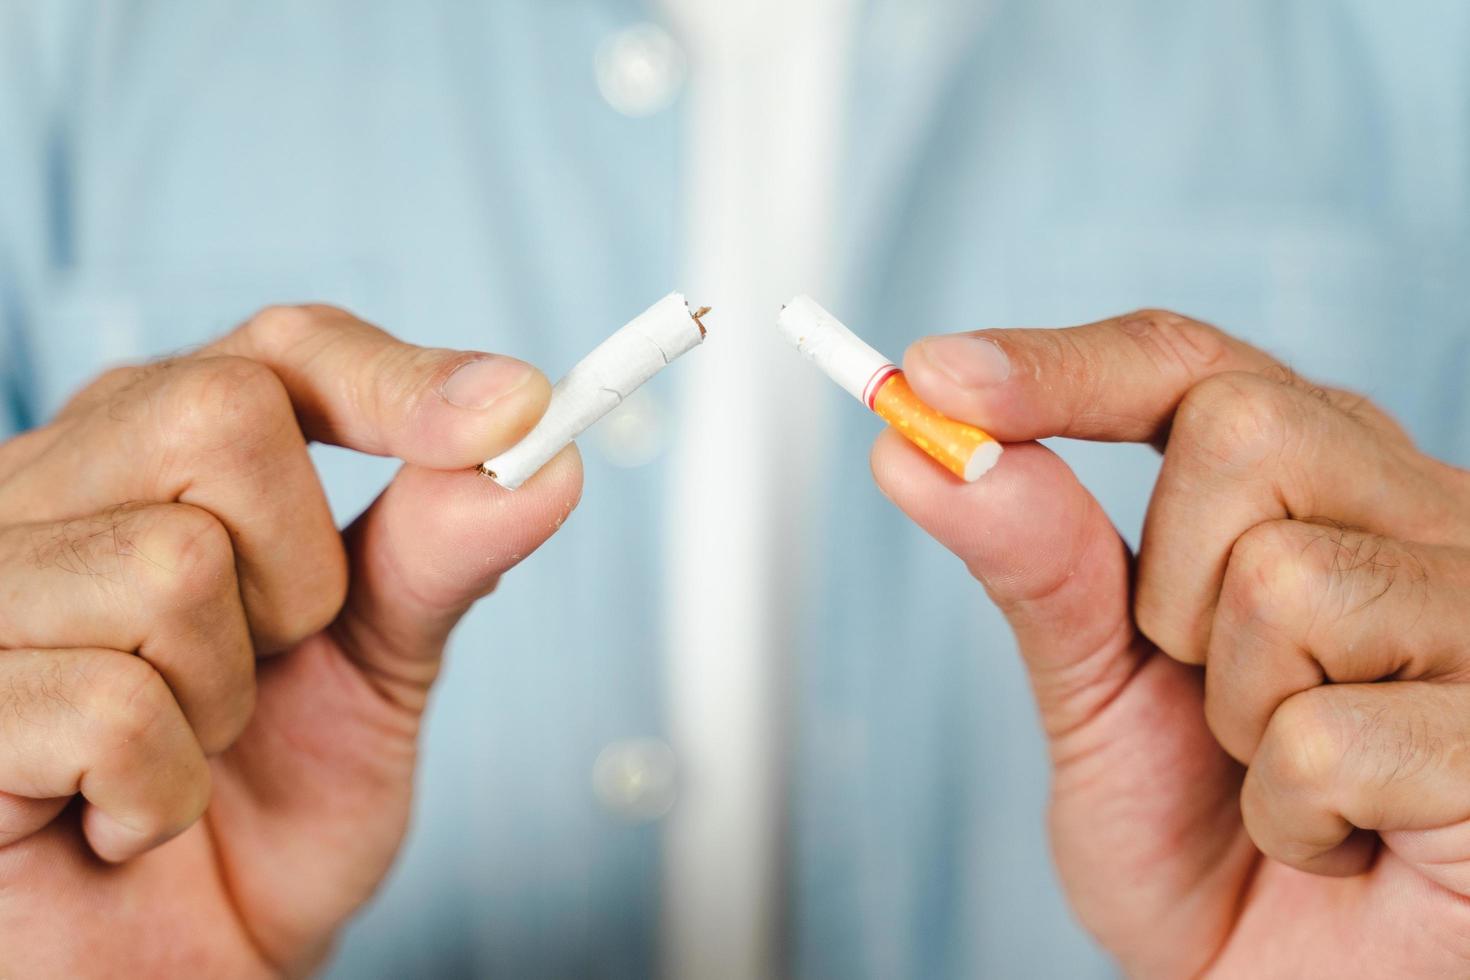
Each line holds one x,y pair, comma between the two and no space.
209,697
1259,732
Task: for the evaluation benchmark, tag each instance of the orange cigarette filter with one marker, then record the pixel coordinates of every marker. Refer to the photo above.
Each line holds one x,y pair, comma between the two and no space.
964,450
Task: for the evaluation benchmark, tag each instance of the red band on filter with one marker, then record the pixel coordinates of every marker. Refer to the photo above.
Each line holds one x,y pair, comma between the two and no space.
870,390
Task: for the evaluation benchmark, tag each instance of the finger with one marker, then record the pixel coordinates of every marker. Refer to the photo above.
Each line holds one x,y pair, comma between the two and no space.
100,723
217,433
1343,759
29,446
336,732
1245,450
432,544
1303,604
1117,380
158,580
21,450
356,386
1046,554
1127,736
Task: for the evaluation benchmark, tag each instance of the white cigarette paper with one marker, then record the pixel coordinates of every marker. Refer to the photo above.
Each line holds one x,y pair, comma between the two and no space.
966,451
598,384
827,342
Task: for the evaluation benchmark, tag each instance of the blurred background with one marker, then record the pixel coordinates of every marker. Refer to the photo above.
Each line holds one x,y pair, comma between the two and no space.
739,718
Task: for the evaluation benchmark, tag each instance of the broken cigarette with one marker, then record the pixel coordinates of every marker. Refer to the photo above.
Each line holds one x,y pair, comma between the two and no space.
878,383
599,382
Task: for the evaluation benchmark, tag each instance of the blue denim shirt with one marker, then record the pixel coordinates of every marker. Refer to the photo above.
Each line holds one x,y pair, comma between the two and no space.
1295,172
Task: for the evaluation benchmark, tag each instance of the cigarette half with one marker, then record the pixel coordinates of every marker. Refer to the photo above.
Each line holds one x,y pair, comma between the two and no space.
878,383
599,382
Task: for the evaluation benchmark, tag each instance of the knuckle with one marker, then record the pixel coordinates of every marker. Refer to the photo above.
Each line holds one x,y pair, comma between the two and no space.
1320,572
279,327
128,699
1357,740
1307,737
226,403
1271,575
180,555
1174,342
284,329
1237,420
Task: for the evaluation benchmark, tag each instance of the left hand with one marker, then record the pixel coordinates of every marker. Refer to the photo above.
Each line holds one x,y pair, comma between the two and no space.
182,624
1287,791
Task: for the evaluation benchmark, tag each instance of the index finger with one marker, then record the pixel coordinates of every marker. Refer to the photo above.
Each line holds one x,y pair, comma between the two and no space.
1116,380
354,385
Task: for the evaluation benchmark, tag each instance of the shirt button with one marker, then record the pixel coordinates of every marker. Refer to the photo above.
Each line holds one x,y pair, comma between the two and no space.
636,778
639,69
633,433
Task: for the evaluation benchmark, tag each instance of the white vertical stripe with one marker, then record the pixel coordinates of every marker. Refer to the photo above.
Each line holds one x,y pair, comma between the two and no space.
762,109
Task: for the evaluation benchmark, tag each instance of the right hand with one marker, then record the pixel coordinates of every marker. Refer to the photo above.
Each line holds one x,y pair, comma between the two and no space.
209,697
1258,723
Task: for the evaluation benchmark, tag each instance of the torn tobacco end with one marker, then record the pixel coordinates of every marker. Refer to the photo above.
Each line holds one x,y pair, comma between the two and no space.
695,316
599,382
483,470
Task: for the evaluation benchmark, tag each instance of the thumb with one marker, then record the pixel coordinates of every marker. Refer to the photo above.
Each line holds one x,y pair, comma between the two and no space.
433,543
1145,824
316,793
1047,555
